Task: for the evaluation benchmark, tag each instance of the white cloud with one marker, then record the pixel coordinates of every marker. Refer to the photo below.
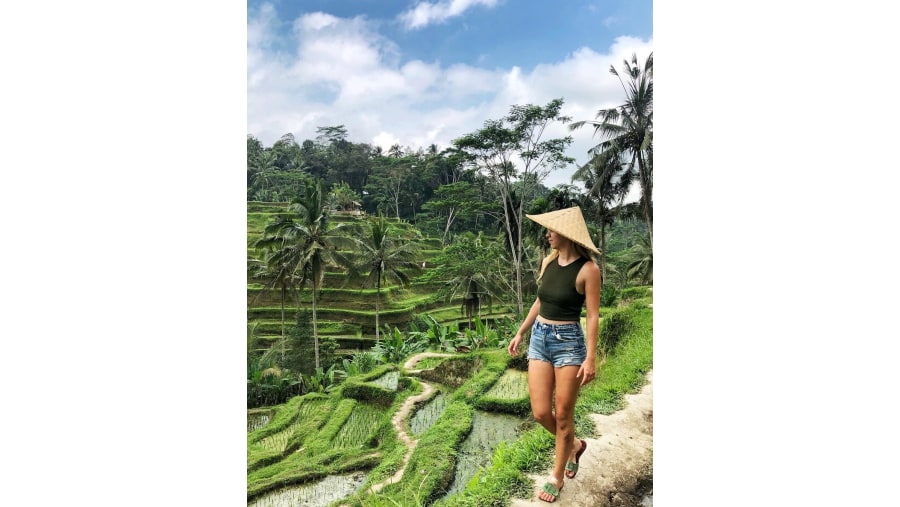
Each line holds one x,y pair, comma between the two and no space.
426,13
385,140
340,71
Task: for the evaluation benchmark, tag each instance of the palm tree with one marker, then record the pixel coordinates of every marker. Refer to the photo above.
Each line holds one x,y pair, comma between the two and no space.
260,172
277,268
475,268
309,242
607,179
386,259
642,265
628,128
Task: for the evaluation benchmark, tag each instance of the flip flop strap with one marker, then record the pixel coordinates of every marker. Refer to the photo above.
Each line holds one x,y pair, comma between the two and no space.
550,488
571,466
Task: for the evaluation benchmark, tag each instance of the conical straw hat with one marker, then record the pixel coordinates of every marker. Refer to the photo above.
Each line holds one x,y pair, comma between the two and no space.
569,223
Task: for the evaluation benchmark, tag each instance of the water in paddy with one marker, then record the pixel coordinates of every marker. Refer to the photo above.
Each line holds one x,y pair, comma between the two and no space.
317,494
453,372
359,427
388,380
257,419
278,441
512,385
427,414
476,451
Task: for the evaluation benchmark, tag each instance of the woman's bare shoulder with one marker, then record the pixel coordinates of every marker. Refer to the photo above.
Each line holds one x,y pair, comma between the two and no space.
590,268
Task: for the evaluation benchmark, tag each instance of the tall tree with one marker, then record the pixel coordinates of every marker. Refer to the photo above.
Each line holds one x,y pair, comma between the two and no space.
277,269
254,151
641,266
456,200
386,259
390,184
287,152
607,179
628,128
260,173
474,268
501,148
311,242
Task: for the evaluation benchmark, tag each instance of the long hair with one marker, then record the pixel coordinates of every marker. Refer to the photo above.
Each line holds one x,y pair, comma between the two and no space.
554,253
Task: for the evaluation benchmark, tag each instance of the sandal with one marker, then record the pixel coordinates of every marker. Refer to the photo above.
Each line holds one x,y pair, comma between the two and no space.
573,467
550,489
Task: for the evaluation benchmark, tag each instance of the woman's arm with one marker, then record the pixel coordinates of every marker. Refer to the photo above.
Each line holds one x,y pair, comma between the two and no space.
591,272
513,347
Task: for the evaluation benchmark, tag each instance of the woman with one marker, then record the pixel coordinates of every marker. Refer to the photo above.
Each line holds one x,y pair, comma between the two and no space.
558,358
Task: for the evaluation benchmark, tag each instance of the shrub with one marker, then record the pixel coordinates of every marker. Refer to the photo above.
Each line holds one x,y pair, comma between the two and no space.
641,291
267,384
301,346
614,326
608,295
394,348
367,392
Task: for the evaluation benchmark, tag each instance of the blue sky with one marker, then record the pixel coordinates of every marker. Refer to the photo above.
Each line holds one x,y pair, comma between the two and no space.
415,73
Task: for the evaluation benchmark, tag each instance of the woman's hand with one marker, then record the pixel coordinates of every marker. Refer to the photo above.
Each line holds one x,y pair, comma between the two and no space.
588,371
513,347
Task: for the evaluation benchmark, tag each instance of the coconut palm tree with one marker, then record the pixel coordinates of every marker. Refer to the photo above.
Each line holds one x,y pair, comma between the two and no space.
278,269
628,128
607,178
309,242
259,173
641,267
386,259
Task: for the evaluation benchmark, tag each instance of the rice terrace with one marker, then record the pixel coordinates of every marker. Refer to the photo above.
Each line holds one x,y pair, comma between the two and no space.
331,438
383,288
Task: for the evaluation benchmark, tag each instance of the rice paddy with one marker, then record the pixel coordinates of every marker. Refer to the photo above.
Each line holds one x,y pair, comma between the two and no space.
477,450
278,441
359,427
257,419
453,372
388,380
426,415
318,494
513,385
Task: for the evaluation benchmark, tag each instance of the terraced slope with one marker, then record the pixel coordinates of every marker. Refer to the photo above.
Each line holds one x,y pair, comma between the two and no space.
345,310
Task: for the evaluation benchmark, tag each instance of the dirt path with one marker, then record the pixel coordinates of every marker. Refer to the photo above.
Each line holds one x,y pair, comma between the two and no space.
403,413
410,444
414,360
617,467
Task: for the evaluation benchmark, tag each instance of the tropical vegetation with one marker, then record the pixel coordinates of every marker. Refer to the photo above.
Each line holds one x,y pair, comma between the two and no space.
359,258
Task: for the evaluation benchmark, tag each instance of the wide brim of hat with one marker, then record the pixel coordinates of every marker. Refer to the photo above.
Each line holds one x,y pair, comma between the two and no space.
567,222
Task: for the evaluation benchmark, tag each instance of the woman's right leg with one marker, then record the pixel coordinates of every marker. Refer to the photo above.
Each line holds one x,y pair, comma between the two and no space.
541,380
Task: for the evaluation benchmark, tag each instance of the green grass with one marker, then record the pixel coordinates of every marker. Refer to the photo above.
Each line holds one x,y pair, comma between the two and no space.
355,435
429,362
625,368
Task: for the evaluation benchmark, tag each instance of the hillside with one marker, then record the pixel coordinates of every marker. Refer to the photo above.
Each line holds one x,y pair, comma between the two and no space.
346,310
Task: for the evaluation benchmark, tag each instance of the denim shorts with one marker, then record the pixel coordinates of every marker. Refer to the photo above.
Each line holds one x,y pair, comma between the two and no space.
557,344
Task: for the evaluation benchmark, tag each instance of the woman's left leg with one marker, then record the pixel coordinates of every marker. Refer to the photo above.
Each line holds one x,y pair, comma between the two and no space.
567,385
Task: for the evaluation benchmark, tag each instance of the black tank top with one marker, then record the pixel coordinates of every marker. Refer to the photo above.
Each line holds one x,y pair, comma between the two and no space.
559,299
